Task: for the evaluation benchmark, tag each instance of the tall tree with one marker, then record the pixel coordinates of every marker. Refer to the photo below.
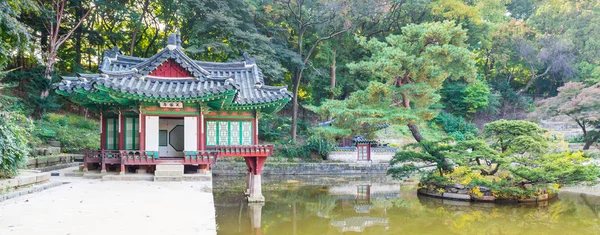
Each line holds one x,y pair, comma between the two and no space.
417,62
580,103
56,14
318,21
14,34
223,30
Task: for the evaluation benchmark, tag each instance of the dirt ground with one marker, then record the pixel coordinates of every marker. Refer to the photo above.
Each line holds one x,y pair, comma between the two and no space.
111,207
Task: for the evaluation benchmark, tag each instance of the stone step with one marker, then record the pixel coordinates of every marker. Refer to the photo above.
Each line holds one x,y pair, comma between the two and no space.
168,178
168,173
169,167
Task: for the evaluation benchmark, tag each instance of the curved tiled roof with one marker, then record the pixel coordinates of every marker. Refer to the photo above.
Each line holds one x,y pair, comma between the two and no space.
131,76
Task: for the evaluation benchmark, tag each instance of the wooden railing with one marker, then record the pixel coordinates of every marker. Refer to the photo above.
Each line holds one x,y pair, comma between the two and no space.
208,156
200,157
138,157
242,150
102,156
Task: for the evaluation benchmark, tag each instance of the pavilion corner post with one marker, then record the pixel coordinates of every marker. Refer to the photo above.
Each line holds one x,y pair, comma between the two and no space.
253,179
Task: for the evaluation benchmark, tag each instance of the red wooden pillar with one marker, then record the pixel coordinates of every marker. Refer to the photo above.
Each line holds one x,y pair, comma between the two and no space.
102,132
201,140
121,131
255,124
142,131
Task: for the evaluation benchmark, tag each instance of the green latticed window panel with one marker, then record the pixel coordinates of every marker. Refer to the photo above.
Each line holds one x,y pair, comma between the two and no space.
112,133
223,133
228,133
235,133
246,133
211,133
132,136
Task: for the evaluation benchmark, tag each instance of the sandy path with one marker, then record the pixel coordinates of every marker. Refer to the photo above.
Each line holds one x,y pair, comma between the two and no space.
98,207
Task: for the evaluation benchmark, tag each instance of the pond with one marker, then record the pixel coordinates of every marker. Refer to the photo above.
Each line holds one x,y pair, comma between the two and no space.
298,205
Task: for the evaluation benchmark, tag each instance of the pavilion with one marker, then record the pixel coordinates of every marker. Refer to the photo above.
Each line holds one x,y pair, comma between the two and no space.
170,109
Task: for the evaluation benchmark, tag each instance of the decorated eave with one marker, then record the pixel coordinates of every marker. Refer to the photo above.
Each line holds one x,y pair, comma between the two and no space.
171,76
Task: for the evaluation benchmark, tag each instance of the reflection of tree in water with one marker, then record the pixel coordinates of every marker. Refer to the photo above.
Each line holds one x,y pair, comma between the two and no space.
299,208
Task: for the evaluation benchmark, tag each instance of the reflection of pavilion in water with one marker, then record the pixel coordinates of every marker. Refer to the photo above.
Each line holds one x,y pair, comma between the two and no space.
362,206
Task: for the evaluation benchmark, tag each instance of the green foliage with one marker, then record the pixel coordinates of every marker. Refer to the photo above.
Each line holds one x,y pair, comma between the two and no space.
505,133
461,98
75,133
520,163
425,151
222,30
560,168
476,96
456,127
33,82
15,131
14,33
315,148
275,128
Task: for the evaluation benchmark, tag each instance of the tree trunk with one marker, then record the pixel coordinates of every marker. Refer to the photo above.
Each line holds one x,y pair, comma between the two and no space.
484,172
588,143
77,35
332,72
137,27
414,129
48,71
295,104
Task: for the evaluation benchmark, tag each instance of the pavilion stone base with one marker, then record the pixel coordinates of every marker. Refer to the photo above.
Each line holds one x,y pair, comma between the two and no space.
255,189
169,172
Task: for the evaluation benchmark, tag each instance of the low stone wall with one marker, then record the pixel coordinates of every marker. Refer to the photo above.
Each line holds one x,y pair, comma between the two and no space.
34,163
348,156
240,168
463,193
25,178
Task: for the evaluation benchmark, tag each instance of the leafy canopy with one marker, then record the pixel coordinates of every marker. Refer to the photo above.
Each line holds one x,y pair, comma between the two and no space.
411,67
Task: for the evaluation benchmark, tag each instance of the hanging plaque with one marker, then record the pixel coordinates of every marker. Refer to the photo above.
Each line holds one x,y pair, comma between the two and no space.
172,105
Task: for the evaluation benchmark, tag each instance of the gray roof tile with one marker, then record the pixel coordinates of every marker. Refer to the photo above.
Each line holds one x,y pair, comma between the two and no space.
130,74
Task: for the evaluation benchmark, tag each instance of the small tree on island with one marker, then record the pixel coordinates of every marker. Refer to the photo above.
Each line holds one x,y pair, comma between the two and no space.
514,161
580,103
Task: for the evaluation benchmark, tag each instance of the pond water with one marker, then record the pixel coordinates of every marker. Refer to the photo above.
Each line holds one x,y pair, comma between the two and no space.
379,205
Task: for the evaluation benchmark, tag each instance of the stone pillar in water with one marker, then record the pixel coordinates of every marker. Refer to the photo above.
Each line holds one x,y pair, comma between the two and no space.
253,179
248,182
256,189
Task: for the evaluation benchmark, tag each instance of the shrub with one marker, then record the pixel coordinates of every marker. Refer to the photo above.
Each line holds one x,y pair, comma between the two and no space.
315,148
75,133
14,134
456,127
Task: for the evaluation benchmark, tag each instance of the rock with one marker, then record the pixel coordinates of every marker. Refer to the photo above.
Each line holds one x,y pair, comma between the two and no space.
483,189
484,198
54,143
528,186
453,190
458,186
457,196
463,191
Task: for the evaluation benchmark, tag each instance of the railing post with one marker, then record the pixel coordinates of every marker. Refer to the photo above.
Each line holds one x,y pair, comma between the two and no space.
103,156
85,160
122,172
